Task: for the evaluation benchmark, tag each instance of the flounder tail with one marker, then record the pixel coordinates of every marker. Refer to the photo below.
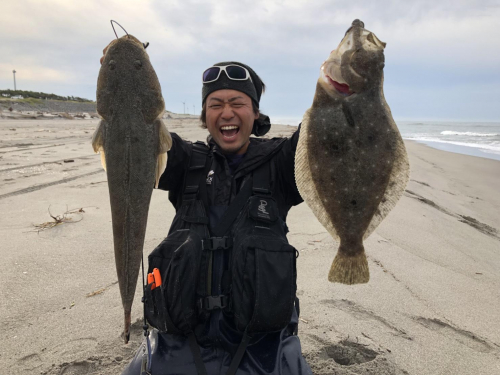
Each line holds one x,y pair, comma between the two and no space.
349,269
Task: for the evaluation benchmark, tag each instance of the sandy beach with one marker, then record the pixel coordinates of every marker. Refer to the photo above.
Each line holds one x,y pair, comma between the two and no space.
432,305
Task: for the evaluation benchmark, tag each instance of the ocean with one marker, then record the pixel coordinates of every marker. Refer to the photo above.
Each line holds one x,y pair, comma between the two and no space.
480,139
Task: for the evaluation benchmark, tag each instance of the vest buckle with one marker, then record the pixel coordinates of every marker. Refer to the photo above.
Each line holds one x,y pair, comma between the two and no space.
213,302
217,243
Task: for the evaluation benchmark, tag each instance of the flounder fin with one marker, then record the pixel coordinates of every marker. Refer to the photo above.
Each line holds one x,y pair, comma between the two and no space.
398,179
164,144
98,141
304,180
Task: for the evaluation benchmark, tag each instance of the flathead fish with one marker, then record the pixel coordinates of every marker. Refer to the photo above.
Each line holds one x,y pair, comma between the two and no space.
351,165
133,142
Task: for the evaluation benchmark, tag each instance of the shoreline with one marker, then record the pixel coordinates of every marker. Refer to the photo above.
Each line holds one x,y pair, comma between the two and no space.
33,114
457,149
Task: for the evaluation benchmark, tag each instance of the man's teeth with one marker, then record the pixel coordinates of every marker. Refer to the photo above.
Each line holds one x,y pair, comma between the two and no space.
228,127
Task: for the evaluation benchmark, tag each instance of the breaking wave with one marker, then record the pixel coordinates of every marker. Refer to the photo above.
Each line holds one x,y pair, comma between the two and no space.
493,147
470,134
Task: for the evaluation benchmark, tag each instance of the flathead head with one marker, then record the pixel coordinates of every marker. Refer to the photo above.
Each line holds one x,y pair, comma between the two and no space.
127,78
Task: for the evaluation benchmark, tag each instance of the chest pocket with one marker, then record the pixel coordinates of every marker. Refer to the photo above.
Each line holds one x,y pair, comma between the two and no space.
263,263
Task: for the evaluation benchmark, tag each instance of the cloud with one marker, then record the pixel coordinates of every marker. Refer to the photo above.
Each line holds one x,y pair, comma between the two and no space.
285,42
36,73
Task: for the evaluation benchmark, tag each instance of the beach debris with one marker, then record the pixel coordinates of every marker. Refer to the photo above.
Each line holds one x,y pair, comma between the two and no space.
133,143
351,165
65,217
69,161
101,290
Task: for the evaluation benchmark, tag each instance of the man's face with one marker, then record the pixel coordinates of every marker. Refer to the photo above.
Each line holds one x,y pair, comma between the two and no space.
230,118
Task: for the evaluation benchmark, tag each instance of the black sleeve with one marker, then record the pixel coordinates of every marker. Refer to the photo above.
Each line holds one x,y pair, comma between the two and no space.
177,164
286,170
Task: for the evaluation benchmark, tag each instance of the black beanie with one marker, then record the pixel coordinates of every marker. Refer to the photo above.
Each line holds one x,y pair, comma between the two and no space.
252,88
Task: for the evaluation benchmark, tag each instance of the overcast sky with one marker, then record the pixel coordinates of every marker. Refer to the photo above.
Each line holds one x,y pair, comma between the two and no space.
442,57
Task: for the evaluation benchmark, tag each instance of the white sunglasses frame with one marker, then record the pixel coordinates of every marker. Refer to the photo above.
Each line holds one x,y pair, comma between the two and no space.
223,69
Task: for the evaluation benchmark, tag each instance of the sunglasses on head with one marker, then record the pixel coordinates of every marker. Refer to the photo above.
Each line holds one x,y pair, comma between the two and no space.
233,72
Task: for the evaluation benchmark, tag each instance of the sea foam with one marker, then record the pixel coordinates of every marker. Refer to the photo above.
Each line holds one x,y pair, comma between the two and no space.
470,134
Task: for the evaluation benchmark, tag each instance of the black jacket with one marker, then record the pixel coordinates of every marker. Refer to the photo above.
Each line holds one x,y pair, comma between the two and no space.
272,353
282,150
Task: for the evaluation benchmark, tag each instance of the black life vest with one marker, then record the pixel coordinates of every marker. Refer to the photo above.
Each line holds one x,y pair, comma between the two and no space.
260,289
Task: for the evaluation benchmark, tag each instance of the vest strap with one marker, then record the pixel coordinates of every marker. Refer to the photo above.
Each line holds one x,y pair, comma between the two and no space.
195,349
238,356
261,182
195,172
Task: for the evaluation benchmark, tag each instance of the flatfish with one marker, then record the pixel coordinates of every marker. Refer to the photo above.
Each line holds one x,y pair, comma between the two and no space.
351,165
133,142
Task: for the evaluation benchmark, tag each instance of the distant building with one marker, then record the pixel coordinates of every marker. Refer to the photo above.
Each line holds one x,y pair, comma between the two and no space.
6,95
17,97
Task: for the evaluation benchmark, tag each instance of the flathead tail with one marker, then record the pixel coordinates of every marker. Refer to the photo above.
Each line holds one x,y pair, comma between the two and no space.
349,269
126,330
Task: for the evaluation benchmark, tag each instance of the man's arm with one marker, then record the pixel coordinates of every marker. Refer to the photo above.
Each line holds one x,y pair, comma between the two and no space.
286,170
177,164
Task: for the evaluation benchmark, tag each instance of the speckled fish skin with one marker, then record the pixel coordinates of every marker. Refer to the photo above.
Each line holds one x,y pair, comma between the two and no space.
133,142
351,165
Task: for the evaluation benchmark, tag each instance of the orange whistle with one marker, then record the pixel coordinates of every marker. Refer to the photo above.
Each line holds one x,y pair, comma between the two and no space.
151,280
157,277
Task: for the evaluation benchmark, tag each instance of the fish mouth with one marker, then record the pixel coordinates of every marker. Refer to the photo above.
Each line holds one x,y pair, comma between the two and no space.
342,88
229,132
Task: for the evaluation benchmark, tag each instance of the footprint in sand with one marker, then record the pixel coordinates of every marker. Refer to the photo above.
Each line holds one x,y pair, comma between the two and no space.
346,353
78,368
73,347
466,338
30,362
347,358
362,313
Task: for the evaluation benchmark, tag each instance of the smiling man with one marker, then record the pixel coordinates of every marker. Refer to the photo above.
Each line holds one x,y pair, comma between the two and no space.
227,303
230,115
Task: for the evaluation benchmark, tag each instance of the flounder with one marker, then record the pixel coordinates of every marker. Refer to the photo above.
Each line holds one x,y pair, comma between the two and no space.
133,142
351,165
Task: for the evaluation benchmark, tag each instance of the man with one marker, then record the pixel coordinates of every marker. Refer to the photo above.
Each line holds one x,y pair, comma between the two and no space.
228,271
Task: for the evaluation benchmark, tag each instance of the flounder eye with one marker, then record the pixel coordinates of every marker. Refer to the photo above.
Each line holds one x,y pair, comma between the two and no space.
138,64
112,64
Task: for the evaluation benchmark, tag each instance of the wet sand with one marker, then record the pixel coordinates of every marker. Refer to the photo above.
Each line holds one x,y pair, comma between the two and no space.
431,307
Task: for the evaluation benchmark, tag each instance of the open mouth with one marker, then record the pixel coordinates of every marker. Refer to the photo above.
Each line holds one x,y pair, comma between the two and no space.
229,131
342,88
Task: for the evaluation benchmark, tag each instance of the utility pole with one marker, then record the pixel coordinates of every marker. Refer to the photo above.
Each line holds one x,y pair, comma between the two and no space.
14,72
184,107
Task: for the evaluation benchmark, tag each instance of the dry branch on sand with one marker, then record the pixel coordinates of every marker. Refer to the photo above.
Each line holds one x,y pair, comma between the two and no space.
65,217
100,291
